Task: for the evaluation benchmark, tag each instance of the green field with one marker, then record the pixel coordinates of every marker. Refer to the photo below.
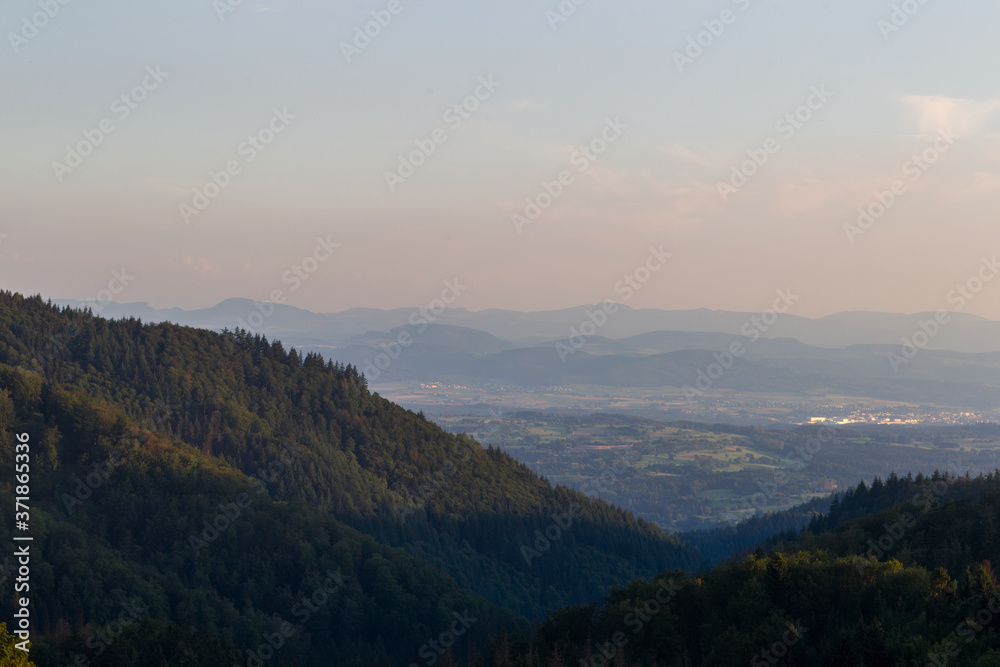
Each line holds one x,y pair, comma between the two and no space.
686,476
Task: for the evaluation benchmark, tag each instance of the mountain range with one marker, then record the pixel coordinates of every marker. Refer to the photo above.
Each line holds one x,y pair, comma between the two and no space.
963,333
849,354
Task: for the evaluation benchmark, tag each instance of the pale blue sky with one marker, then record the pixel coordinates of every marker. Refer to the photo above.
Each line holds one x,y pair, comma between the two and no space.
323,176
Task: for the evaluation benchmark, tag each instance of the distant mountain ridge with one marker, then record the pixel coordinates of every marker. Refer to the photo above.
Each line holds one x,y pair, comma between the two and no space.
840,355
964,332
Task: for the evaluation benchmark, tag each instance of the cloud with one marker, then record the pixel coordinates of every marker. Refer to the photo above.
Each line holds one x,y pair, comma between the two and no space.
962,115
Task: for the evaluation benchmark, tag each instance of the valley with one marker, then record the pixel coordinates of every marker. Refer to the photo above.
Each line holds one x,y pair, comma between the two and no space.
670,403
689,476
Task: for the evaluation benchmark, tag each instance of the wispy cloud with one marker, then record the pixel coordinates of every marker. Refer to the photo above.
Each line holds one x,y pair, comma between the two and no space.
965,116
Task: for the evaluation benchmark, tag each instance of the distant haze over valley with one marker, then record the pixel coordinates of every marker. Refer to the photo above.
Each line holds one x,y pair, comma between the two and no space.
964,332
698,364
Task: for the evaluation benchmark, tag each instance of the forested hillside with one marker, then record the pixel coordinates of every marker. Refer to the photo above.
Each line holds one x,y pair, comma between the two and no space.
127,520
910,581
174,424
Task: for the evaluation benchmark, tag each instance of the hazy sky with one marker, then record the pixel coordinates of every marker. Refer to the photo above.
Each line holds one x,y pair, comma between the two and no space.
673,129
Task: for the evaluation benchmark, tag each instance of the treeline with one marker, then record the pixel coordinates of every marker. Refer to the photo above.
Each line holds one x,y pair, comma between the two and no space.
738,540
913,584
827,514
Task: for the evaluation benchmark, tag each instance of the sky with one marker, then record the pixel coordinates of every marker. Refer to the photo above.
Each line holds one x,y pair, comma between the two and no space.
186,152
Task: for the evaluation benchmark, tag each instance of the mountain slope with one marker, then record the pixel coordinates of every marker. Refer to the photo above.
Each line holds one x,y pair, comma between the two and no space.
913,584
317,437
134,526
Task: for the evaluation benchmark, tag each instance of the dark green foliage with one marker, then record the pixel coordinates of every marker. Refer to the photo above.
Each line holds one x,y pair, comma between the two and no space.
738,540
912,584
126,549
176,422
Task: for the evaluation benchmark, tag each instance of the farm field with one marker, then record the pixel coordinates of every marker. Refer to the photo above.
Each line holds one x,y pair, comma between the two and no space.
688,476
